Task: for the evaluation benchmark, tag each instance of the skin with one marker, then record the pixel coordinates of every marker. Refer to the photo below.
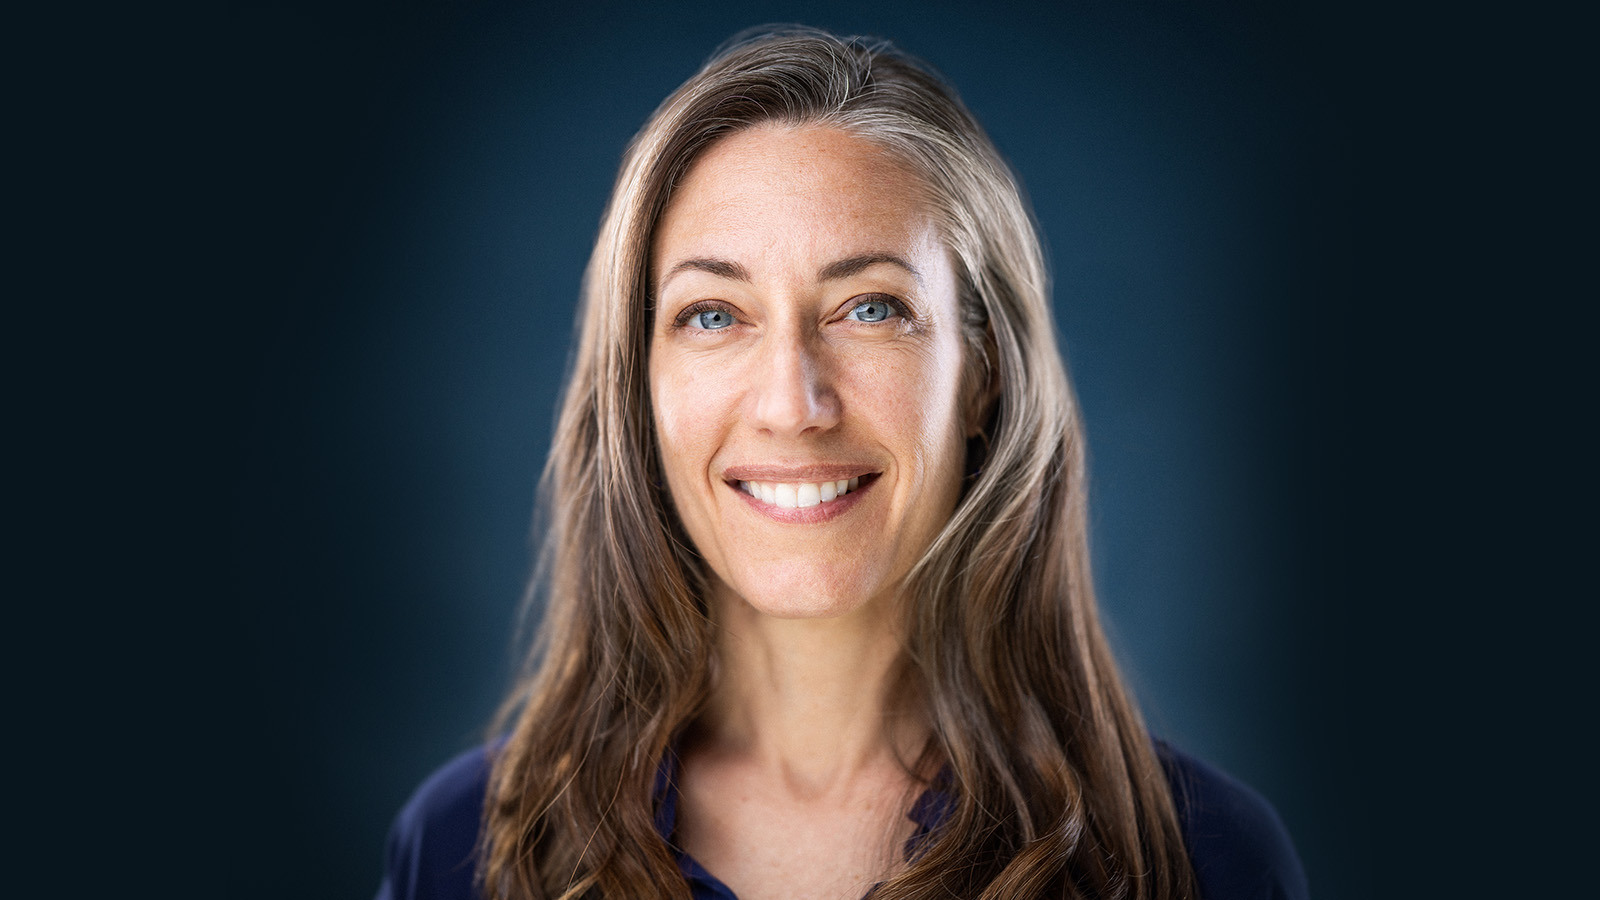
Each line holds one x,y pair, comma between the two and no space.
795,781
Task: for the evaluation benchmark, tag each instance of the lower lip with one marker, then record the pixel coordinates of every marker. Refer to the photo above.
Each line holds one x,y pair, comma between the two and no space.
810,515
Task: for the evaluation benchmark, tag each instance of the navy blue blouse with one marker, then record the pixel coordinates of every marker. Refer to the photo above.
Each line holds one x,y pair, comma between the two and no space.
1235,839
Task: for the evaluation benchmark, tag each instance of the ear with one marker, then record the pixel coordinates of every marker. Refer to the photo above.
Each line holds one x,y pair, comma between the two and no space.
981,387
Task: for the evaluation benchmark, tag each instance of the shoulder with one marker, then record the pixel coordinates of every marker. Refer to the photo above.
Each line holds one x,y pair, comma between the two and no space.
432,844
1235,839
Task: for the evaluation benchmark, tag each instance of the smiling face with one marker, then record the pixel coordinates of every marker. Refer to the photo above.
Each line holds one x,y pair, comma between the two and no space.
805,367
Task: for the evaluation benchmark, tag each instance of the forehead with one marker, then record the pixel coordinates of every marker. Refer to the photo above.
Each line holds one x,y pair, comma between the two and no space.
807,191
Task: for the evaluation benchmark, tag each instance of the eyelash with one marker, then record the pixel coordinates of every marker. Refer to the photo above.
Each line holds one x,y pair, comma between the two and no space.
695,309
897,308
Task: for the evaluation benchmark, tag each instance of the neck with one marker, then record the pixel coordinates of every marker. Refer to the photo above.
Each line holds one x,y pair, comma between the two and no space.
816,701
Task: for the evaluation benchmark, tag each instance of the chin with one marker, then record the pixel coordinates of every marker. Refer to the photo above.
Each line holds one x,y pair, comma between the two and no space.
804,595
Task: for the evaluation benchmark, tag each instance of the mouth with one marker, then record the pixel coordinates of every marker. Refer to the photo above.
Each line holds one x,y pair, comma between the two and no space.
801,494
804,494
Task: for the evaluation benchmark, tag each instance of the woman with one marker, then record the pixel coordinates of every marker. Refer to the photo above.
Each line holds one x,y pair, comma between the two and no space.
820,621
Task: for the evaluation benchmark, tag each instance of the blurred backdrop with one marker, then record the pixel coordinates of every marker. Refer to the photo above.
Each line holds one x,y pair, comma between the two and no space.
395,205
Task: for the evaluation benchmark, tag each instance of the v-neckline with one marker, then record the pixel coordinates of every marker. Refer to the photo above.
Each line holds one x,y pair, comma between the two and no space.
932,807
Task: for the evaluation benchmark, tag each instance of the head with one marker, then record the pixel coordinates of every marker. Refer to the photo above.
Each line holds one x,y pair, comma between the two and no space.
1013,400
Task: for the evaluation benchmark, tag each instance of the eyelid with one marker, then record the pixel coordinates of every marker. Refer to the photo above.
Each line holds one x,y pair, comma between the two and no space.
901,308
681,320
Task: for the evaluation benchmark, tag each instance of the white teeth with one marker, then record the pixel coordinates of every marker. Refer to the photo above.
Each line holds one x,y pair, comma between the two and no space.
786,496
798,496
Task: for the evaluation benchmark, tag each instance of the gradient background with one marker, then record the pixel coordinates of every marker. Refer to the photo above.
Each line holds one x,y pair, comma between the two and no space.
385,216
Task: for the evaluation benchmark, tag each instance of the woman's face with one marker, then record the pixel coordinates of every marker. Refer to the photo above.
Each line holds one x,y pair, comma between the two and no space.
806,334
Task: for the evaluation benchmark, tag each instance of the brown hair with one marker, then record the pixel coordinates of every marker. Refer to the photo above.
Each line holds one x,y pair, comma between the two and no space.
1057,790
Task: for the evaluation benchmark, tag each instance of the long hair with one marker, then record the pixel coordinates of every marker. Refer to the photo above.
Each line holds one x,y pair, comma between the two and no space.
1056,788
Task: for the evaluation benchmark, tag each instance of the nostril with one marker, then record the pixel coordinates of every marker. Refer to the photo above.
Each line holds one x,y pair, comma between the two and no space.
794,395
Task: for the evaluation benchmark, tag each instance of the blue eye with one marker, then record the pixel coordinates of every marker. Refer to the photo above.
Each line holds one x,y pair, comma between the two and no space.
872,311
711,319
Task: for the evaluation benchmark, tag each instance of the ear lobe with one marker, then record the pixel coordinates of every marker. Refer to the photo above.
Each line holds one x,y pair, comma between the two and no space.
981,406
982,391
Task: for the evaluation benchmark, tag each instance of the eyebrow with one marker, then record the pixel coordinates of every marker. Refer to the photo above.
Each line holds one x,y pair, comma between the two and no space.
719,267
844,268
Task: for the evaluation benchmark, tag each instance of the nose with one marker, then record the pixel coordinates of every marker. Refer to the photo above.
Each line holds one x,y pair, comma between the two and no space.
793,393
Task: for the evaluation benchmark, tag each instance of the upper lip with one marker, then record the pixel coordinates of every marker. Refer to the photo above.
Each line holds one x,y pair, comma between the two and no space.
806,474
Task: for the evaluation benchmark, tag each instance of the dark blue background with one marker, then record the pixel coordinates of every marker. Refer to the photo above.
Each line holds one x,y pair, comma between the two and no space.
366,223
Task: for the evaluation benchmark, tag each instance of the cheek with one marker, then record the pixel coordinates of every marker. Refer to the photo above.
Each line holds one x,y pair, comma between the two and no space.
683,401
669,422
912,400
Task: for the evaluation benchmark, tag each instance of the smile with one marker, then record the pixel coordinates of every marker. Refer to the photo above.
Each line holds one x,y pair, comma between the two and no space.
799,496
